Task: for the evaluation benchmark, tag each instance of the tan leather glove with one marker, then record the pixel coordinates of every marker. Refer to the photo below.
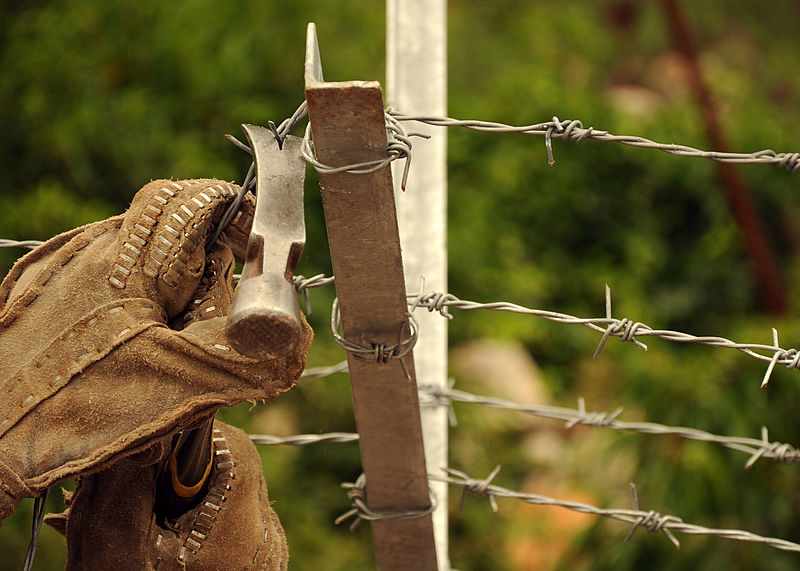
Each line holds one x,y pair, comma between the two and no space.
111,336
110,519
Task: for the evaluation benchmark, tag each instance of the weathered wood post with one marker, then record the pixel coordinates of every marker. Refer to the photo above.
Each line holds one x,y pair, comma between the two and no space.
348,125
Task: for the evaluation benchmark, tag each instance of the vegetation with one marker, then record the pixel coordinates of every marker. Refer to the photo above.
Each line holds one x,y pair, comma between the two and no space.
98,98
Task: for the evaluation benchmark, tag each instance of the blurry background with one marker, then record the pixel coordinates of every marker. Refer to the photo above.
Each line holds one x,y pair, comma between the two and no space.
98,98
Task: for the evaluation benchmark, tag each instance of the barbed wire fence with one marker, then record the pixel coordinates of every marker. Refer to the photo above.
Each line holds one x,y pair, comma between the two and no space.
626,330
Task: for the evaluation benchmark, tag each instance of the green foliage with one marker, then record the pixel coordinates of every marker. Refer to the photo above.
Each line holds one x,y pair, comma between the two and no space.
98,98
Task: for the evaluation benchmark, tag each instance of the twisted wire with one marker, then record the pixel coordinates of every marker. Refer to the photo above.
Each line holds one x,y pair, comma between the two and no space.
573,130
320,372
430,395
377,352
304,439
356,493
653,521
302,284
30,244
624,329
398,147
754,447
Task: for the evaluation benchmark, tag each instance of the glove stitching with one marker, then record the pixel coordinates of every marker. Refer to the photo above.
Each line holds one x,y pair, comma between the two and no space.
218,489
185,248
180,244
207,301
266,527
119,276
134,321
31,294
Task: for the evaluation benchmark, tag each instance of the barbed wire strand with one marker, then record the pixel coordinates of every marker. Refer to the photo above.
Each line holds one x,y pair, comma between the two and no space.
29,244
321,372
754,447
573,130
652,521
624,329
304,439
433,396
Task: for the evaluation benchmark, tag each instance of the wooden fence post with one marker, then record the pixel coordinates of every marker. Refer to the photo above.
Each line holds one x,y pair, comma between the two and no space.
348,126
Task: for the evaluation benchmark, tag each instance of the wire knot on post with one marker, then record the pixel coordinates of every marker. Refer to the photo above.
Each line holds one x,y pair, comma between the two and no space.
377,352
398,147
356,493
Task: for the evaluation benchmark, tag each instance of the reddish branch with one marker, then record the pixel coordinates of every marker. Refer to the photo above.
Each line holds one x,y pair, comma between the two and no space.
762,259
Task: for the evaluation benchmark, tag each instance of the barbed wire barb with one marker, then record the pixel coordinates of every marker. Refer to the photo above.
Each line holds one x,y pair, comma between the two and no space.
477,487
432,395
791,358
623,326
654,522
303,284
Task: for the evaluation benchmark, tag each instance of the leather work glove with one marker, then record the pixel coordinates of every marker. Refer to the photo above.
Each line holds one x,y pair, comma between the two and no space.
112,337
110,517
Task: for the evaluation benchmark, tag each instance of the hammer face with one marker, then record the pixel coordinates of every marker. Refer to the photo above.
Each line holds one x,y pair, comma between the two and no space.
265,317
266,323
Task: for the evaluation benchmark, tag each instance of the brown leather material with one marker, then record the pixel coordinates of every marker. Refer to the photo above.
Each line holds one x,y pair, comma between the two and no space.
12,490
113,336
110,522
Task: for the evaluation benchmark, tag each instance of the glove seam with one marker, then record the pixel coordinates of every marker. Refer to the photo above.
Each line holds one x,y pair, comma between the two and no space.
65,252
34,381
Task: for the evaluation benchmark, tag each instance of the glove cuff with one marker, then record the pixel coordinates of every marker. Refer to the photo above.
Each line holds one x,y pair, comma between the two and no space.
12,491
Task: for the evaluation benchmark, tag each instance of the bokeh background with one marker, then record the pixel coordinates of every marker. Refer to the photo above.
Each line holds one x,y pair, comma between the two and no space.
97,98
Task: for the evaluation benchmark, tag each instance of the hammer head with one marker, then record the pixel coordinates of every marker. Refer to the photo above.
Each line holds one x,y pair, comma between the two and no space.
265,317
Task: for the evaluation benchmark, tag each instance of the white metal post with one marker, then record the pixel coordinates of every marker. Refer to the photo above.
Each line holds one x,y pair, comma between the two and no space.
416,83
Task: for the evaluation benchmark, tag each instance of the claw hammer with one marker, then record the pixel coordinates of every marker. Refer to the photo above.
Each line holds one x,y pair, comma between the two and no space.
264,321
